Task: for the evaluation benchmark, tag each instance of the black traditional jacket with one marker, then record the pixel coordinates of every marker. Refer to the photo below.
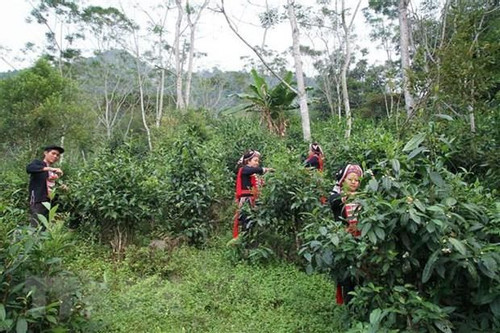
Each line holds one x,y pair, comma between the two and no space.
38,190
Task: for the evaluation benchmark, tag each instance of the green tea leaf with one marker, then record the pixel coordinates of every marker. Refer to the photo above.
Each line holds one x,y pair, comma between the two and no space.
414,216
372,237
443,326
2,312
415,152
458,245
419,205
437,179
380,233
375,316
396,166
436,208
334,239
21,325
495,307
429,266
450,201
414,142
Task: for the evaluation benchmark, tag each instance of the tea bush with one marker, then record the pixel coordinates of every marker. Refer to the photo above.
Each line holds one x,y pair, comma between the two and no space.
189,190
120,194
13,201
38,294
288,196
426,257
116,195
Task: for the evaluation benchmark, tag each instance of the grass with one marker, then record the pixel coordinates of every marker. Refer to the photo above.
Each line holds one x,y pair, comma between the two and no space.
204,290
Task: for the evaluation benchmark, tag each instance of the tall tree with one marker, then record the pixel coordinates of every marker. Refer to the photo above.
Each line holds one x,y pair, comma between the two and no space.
328,62
179,60
399,9
107,78
61,20
466,71
345,64
404,46
299,74
305,122
160,57
141,72
40,106
192,22
382,31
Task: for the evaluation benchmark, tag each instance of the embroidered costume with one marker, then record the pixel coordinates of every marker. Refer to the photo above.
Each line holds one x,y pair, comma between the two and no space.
345,212
315,158
247,191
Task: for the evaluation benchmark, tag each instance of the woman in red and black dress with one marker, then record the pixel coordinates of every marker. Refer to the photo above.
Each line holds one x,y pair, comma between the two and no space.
315,161
315,157
345,210
247,188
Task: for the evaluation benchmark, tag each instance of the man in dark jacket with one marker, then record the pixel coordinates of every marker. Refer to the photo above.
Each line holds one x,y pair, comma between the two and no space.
42,181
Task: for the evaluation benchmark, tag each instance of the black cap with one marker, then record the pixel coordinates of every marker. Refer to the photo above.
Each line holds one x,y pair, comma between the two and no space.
54,147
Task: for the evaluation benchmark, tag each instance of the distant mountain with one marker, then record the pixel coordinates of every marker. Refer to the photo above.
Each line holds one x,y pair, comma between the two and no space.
4,75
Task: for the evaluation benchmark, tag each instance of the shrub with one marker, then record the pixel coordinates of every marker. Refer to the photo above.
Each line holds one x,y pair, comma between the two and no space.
189,190
13,202
426,257
289,195
117,195
37,293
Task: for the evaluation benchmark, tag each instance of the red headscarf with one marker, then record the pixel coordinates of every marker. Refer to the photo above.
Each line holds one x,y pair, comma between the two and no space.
342,174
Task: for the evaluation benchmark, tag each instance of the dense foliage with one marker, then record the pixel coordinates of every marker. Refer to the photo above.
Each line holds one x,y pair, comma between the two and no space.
150,199
38,292
426,258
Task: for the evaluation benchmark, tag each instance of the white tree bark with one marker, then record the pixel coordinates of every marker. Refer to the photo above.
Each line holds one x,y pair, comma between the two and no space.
329,75
305,123
345,66
160,93
404,44
302,95
192,28
177,50
113,103
140,82
158,27
266,28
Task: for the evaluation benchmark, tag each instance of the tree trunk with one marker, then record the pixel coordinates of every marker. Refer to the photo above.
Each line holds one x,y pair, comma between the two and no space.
159,107
343,75
177,50
192,27
143,108
404,43
304,111
141,92
61,157
345,67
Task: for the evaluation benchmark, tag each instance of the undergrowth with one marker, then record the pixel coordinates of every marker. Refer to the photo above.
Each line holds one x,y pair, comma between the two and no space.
205,291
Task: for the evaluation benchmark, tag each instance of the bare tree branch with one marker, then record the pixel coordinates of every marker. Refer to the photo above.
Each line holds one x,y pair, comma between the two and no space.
264,62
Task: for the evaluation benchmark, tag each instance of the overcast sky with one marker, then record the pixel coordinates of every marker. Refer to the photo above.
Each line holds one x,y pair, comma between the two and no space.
223,48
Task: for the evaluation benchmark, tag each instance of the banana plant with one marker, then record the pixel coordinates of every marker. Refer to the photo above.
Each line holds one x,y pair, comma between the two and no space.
272,102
